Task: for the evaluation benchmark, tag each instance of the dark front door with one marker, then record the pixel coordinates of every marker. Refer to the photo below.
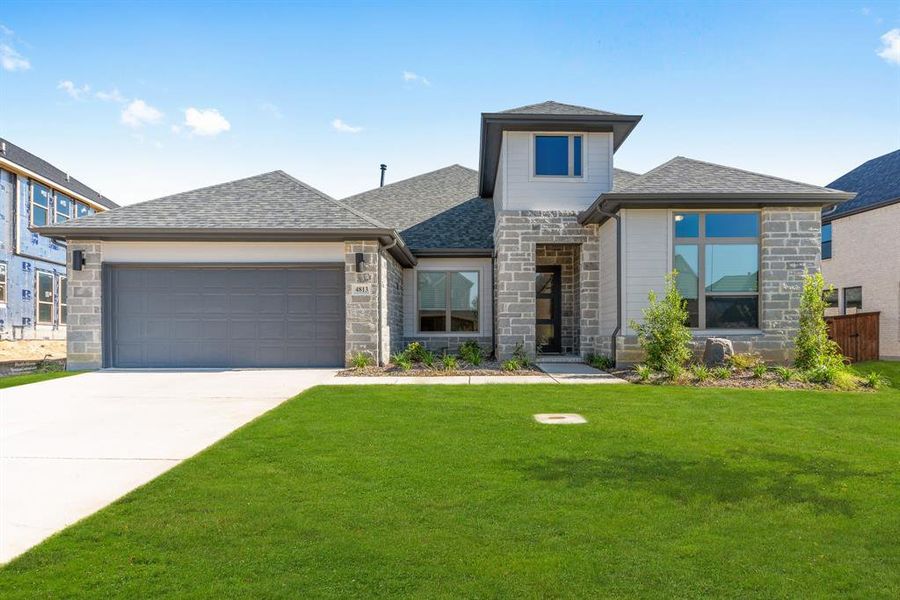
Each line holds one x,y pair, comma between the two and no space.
547,308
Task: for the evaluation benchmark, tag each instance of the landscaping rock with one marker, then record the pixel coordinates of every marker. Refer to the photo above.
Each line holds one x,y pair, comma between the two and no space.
717,351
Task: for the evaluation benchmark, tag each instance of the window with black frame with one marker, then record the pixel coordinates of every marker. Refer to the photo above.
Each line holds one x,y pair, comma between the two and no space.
826,241
716,255
852,299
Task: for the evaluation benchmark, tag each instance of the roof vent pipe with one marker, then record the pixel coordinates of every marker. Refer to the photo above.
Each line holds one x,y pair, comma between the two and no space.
383,169
2,147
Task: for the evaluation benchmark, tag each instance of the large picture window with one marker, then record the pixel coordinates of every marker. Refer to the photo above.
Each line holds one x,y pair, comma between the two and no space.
447,301
558,155
717,259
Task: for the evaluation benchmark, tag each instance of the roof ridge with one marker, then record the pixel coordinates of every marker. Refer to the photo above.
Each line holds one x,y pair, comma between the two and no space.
580,106
325,196
393,183
772,177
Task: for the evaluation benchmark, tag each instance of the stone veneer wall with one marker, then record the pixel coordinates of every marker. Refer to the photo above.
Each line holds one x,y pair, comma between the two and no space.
362,311
790,246
449,344
84,343
392,307
567,257
516,234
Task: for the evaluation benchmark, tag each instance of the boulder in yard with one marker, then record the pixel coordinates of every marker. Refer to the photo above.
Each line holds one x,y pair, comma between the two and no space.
717,351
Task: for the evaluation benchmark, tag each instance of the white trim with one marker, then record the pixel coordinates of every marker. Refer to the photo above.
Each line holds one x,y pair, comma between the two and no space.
11,166
484,266
37,296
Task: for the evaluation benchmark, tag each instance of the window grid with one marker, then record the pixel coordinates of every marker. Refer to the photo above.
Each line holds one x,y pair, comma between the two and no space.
701,242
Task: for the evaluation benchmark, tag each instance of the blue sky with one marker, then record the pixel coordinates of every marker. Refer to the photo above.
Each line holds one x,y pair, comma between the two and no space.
144,99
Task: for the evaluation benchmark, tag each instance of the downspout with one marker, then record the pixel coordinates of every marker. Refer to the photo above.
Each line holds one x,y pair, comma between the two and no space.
381,250
618,328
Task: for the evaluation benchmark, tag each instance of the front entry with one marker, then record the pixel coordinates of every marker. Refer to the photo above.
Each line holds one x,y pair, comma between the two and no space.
548,313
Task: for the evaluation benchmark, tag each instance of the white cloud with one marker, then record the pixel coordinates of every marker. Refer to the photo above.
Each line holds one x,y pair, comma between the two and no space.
890,50
113,95
139,113
176,129
11,60
413,77
339,125
75,92
271,110
205,121
6,31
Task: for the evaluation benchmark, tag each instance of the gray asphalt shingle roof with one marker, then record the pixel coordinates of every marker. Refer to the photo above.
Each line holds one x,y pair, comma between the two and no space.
269,201
551,107
440,209
622,178
876,183
687,176
35,164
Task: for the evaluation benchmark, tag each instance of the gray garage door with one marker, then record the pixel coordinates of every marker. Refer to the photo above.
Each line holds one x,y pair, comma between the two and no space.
211,316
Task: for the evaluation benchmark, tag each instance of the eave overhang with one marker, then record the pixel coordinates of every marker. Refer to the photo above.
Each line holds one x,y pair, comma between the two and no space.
610,203
494,124
453,252
388,237
829,217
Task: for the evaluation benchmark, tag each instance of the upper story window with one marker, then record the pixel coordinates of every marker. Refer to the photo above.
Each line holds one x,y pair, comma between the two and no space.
82,210
63,208
721,250
826,241
447,301
558,155
41,205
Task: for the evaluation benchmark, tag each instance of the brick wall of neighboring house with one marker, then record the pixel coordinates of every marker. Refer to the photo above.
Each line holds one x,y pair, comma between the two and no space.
789,248
516,236
865,252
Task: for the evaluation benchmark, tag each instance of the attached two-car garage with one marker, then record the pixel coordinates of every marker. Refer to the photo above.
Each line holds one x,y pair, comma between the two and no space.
223,315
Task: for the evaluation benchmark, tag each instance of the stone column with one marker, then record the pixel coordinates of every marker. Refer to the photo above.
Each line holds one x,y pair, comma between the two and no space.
84,339
362,295
513,285
589,291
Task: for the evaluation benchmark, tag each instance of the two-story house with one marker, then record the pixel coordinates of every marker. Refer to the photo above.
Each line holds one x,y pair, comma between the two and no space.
34,193
547,247
861,248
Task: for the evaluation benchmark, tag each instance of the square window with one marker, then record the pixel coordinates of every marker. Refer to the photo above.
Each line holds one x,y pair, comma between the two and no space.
687,225
551,155
448,301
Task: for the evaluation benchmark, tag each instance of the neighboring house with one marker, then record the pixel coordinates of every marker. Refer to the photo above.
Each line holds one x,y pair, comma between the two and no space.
861,247
547,248
34,193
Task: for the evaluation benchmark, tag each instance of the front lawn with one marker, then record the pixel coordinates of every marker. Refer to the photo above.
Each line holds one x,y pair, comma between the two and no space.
456,492
8,381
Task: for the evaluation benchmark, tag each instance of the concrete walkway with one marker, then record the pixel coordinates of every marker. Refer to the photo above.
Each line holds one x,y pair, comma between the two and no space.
69,447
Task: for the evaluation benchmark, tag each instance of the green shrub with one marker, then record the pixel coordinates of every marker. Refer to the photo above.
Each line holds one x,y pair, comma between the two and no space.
361,360
428,358
721,372
673,370
449,362
700,372
643,372
520,356
744,361
785,373
598,361
401,361
511,364
816,352
759,370
471,352
664,335
876,381
415,352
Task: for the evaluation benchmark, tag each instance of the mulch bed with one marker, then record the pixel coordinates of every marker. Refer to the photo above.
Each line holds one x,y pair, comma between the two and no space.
738,379
488,367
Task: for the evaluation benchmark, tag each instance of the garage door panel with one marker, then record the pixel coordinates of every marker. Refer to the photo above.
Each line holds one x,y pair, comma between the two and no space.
208,316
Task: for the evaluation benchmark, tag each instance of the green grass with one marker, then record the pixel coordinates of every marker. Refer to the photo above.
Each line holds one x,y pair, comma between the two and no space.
890,370
13,380
456,492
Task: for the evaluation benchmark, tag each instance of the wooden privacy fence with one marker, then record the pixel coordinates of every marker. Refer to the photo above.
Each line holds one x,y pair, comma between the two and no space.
857,335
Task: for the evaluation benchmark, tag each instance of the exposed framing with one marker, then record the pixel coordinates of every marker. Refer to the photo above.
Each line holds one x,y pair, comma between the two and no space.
701,241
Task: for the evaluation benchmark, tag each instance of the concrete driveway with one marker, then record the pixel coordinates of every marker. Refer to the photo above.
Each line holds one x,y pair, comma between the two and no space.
69,447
